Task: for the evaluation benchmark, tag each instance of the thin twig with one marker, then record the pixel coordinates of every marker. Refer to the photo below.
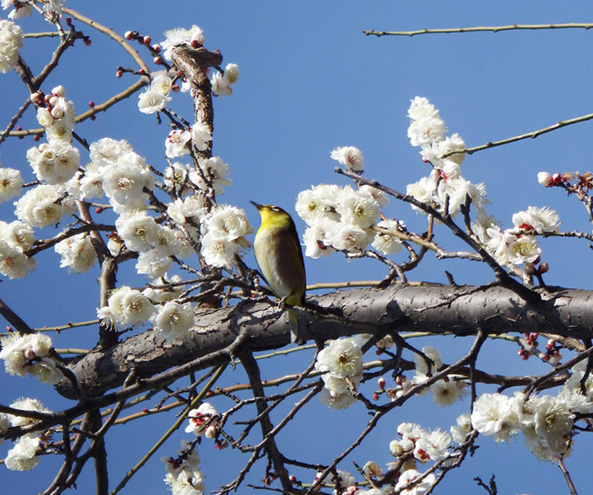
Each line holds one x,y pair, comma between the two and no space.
478,29
171,430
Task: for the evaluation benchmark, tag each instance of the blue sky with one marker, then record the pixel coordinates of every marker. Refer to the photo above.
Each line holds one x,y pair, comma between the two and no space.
311,81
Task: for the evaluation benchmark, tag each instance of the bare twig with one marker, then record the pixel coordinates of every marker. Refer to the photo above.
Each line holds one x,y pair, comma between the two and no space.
478,29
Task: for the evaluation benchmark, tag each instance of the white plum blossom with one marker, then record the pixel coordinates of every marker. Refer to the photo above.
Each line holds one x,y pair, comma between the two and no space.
348,237
139,231
58,117
426,126
357,209
426,131
161,82
372,470
156,96
203,421
433,445
386,240
508,247
524,249
215,173
42,206
379,196
13,262
176,143
125,181
201,135
227,223
174,320
22,457
409,483
495,415
183,473
11,40
424,190
89,185
152,101
127,307
219,252
316,238
450,146
153,263
187,209
29,355
433,354
454,192
78,253
540,220
11,183
342,359
447,391
341,364
317,203
17,234
350,157
344,481
170,242
54,163
26,404
179,36
107,151
20,9
220,86
462,428
420,108
53,6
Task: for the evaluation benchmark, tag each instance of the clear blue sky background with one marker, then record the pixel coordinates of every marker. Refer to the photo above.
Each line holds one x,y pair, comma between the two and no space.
311,81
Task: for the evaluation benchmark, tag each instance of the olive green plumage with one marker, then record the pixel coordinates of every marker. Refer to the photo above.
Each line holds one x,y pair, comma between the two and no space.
280,258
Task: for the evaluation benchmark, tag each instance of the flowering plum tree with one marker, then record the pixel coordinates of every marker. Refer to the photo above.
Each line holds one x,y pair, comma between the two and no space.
165,333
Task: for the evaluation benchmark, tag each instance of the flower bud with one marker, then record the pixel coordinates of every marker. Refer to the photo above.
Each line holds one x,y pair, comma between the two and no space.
545,179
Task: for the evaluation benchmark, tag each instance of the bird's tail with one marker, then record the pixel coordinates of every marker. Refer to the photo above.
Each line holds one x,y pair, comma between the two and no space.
295,336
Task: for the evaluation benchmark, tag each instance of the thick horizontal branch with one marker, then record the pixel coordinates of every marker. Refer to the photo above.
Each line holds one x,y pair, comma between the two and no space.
460,310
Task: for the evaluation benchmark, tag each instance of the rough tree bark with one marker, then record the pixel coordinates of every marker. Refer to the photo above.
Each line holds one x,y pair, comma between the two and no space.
220,334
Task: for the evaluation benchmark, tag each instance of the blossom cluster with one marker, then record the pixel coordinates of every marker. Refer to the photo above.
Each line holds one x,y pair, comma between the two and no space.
444,187
29,354
449,191
156,96
345,219
203,421
183,472
341,364
545,421
11,40
129,307
518,244
16,237
24,456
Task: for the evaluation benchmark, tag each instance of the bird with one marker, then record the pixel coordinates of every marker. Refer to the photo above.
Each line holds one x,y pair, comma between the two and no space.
280,259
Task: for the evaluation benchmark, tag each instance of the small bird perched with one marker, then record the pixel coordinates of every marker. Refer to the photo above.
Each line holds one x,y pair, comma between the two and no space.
280,258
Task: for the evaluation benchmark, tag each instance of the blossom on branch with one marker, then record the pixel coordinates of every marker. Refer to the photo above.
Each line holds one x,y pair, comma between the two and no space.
11,40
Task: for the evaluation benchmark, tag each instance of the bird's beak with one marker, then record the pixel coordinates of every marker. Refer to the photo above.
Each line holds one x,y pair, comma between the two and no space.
257,205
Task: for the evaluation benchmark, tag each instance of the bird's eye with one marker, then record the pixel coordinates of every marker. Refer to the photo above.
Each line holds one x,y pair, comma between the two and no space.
275,208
